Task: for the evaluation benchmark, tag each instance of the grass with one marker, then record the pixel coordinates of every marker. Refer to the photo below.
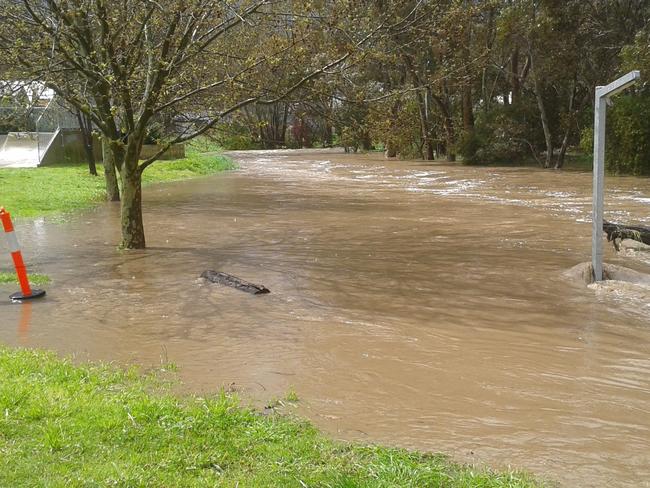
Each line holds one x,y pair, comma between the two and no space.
196,164
34,278
33,192
94,425
292,396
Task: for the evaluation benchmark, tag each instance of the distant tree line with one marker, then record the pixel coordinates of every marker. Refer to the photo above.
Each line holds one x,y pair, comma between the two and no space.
497,80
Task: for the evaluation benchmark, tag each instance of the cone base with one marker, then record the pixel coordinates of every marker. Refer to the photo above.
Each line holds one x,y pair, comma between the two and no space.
19,296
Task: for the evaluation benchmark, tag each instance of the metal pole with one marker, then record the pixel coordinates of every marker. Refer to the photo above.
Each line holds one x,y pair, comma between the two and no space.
603,95
600,115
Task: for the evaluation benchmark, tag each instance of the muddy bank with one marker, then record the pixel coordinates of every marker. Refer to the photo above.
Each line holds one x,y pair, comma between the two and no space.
414,304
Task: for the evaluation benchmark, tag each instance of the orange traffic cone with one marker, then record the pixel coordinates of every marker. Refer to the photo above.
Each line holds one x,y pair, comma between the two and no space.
26,291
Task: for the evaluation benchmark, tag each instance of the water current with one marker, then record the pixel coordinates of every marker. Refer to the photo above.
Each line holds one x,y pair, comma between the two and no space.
415,304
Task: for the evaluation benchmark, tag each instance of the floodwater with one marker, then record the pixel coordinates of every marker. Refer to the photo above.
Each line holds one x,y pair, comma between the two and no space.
412,303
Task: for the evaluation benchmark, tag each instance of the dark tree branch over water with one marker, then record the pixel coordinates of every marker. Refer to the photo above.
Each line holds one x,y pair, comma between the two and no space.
618,232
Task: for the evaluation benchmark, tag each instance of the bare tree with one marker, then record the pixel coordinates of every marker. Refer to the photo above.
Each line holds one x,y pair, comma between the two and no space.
126,65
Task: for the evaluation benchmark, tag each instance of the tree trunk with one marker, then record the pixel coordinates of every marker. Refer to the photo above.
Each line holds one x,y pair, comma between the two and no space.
431,151
427,151
450,136
285,118
545,124
468,121
391,146
514,76
366,141
448,123
391,150
449,132
427,143
327,135
559,164
132,225
441,148
110,152
468,109
430,142
490,37
466,95
90,154
567,131
131,215
86,128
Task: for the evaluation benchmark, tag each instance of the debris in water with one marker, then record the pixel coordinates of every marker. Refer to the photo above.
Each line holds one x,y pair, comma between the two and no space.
618,232
233,281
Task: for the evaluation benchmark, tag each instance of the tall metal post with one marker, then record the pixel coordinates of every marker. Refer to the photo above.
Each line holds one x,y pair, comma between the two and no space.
600,115
603,95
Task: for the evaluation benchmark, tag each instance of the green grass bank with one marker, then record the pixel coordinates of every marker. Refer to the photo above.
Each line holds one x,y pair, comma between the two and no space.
34,192
64,425
34,278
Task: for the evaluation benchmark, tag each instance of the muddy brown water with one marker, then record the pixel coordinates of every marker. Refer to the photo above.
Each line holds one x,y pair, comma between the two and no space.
413,304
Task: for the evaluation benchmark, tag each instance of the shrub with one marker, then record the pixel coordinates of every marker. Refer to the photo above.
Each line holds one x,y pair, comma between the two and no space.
628,135
234,136
505,133
587,140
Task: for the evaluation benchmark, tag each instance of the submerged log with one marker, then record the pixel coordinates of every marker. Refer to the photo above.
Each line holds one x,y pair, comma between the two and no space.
617,232
234,282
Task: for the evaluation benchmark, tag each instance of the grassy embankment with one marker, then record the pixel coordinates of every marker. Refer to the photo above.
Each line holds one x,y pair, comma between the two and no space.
95,425
34,278
32,192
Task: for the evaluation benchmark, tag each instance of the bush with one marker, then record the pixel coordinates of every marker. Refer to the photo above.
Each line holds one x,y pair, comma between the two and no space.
628,135
237,142
503,134
469,146
587,140
202,144
234,136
